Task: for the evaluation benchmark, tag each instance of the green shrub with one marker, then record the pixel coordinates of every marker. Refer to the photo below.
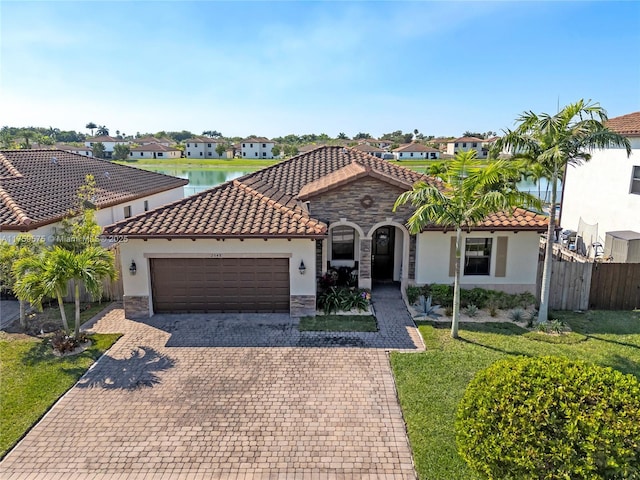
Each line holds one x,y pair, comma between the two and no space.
336,299
550,418
413,293
517,315
442,294
476,296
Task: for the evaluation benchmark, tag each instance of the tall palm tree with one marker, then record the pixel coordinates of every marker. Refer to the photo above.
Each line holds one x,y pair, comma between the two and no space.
90,267
102,131
472,191
91,126
556,141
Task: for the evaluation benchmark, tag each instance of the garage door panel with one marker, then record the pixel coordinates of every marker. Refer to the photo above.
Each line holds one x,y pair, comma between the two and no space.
220,284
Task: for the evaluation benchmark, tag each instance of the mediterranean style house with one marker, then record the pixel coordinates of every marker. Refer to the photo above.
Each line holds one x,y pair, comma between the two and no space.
39,187
415,151
154,150
260,242
108,142
602,196
203,147
257,147
464,144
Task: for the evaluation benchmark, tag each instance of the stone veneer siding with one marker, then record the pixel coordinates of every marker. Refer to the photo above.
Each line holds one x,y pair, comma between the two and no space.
303,306
351,202
136,307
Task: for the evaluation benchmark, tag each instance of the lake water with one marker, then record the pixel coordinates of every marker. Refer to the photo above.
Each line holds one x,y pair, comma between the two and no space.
199,179
203,179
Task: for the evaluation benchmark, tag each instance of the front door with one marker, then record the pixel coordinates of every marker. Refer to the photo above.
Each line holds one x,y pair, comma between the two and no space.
382,254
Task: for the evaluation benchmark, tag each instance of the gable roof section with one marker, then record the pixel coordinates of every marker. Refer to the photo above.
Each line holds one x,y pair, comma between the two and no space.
38,187
231,210
363,147
203,140
627,125
105,138
257,140
414,147
467,139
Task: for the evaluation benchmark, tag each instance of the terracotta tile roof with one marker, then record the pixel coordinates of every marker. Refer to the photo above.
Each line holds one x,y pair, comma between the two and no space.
268,203
363,147
467,139
105,138
414,147
290,176
257,140
73,148
154,147
627,125
229,210
519,220
38,187
203,140
143,140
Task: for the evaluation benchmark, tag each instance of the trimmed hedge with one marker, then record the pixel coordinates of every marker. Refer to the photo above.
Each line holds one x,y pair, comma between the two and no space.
550,418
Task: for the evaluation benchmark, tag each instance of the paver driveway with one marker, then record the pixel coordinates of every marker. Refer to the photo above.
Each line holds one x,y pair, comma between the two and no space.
149,410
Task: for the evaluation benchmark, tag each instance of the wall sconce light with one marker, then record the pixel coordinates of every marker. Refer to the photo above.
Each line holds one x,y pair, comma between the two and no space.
302,267
133,268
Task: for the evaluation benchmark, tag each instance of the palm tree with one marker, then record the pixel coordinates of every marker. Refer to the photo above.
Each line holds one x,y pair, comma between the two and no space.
45,275
25,246
91,126
471,193
556,141
102,131
90,267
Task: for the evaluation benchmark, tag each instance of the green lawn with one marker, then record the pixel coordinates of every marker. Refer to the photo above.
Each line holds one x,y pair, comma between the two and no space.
33,378
430,384
339,323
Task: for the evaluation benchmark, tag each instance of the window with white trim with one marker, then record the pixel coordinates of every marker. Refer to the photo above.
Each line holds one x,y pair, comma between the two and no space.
477,256
343,243
127,211
635,180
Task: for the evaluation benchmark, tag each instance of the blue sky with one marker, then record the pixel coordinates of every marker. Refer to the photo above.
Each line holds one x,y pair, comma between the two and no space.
273,68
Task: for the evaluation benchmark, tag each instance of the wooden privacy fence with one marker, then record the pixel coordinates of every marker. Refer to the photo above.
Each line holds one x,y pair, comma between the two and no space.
597,286
112,291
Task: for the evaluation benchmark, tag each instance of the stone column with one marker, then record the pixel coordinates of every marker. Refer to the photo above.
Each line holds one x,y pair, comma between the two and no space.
364,275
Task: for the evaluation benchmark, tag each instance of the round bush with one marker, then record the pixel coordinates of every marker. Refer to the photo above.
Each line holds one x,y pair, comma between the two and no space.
550,418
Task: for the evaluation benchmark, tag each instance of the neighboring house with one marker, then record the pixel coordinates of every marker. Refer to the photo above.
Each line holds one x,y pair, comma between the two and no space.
371,150
257,147
603,194
415,151
154,150
39,187
203,147
108,142
149,140
259,243
465,144
86,151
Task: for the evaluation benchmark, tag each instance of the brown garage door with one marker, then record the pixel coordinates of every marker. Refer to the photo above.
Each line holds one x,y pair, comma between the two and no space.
220,284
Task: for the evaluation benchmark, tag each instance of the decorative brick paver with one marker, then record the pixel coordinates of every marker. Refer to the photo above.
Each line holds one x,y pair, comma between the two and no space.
163,404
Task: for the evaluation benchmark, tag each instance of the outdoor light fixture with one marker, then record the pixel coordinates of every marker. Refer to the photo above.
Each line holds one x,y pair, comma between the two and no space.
302,268
133,268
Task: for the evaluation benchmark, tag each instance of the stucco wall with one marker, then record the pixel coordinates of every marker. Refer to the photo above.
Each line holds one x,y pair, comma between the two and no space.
433,253
598,191
138,250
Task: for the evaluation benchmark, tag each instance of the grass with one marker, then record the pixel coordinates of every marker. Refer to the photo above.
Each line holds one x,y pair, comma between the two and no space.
33,379
430,384
339,323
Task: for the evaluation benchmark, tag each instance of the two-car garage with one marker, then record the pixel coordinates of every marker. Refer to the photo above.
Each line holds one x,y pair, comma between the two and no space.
220,284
